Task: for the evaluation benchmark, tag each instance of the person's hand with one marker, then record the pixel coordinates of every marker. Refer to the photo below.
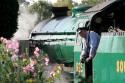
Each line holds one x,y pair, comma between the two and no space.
82,60
88,59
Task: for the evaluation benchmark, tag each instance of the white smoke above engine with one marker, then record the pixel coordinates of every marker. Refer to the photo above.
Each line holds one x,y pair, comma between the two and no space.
26,22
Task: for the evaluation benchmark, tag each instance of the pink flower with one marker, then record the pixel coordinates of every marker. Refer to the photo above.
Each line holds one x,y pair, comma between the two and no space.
36,54
14,58
46,63
32,62
15,44
8,41
1,38
28,69
52,74
9,45
46,60
24,70
4,40
12,45
37,49
16,50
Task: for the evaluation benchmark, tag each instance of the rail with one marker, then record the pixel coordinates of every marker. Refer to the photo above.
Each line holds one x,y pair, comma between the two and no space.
113,34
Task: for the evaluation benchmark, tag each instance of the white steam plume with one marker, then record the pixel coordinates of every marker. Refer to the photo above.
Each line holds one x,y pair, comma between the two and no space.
26,22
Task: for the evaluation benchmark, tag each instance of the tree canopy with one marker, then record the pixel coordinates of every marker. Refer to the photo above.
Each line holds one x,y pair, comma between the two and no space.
42,8
8,17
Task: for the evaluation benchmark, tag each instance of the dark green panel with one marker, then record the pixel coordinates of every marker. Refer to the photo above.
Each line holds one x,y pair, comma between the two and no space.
110,43
60,53
109,68
109,62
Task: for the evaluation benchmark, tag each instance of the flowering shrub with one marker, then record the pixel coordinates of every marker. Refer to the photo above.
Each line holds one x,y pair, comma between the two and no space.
15,68
79,68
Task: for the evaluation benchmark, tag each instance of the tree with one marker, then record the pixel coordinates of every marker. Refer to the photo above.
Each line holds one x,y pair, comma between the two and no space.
42,8
89,2
8,17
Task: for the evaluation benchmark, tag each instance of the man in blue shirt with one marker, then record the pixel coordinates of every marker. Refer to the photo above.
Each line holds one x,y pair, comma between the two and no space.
90,42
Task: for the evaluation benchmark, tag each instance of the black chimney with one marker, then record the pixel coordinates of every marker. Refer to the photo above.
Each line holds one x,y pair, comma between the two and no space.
60,11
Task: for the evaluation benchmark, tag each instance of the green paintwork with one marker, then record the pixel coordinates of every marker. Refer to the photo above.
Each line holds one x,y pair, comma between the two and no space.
79,9
105,68
61,52
110,52
112,44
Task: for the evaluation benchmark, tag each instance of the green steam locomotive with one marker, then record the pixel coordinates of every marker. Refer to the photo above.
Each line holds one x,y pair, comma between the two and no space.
58,38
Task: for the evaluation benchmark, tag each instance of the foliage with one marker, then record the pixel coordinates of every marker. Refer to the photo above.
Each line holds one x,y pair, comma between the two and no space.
42,8
63,3
17,68
8,17
91,2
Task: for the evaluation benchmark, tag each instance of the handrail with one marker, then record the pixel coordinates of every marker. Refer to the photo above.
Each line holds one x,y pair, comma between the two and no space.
113,34
50,40
55,33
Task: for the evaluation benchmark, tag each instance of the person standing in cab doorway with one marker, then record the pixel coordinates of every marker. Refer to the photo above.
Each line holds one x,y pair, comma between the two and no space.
90,42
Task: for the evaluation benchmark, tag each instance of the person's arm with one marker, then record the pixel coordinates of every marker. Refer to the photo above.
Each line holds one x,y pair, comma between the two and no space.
83,51
94,39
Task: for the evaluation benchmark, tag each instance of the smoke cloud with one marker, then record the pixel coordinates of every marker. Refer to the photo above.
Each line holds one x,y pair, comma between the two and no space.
26,22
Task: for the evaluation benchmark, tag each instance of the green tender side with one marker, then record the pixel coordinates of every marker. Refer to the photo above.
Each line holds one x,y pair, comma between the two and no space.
109,62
